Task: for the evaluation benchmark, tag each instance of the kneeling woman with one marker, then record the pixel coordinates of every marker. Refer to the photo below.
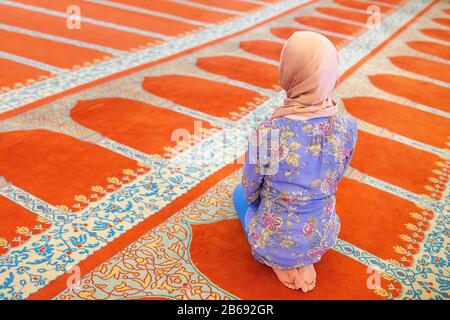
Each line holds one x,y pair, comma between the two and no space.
293,165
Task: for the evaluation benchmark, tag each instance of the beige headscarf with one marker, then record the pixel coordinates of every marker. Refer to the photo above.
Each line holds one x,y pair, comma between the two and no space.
308,74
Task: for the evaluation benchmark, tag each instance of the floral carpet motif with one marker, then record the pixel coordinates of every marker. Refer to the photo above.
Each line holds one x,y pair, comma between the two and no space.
93,187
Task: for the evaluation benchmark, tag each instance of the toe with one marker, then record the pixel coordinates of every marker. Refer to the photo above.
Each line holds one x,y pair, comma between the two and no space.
289,285
311,286
304,288
298,282
309,277
308,274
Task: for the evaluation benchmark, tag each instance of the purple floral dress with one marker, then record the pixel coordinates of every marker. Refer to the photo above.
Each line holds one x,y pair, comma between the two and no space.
292,170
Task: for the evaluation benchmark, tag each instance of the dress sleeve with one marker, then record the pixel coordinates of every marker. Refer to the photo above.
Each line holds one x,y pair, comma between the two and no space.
349,146
252,179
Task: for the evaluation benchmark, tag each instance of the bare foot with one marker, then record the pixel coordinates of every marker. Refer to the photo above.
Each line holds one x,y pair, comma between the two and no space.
308,276
290,278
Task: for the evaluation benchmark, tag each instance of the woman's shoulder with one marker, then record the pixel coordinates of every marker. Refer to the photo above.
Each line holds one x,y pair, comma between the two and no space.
268,126
346,122
346,119
270,123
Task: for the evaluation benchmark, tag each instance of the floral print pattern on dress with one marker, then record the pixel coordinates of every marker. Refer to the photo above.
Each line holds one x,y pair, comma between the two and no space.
293,168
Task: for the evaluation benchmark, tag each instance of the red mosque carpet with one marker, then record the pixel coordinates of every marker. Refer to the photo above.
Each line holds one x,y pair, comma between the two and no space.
93,185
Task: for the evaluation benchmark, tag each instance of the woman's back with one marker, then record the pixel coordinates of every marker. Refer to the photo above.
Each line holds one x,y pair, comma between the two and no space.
286,200
298,165
312,155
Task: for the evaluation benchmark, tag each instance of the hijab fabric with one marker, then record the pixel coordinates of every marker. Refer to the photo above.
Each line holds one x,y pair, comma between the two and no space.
308,74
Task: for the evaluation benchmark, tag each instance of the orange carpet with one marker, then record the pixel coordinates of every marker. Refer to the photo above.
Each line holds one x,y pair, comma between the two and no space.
121,143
